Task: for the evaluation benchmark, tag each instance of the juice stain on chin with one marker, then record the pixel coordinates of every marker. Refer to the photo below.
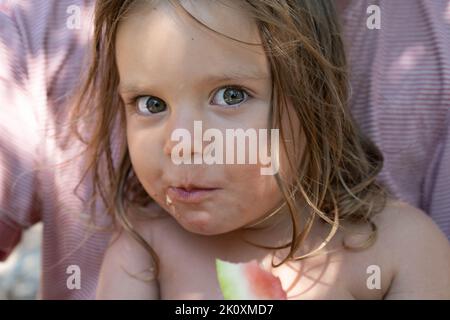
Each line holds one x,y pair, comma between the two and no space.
168,200
171,206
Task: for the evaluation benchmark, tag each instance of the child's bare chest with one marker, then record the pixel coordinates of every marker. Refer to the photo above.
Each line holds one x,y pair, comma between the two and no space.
195,278
188,271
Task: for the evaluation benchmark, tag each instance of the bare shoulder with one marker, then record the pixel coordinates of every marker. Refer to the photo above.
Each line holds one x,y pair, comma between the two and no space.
418,250
127,270
400,223
137,240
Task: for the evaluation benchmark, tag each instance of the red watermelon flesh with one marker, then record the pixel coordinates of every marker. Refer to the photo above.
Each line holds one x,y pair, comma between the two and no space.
248,281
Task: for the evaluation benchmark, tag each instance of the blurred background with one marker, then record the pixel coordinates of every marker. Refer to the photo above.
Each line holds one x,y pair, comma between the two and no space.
20,274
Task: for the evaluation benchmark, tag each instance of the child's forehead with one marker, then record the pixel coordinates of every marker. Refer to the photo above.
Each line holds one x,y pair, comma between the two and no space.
154,42
228,17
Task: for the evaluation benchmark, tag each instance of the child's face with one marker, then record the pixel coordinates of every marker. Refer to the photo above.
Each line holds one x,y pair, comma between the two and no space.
163,54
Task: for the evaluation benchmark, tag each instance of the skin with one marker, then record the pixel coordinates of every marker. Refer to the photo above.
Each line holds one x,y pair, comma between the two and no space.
190,237
244,194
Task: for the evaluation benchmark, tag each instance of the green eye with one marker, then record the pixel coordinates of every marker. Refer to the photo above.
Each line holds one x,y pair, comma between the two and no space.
230,96
150,105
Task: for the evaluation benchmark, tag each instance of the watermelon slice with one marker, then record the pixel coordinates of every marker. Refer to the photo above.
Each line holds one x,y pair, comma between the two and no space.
248,281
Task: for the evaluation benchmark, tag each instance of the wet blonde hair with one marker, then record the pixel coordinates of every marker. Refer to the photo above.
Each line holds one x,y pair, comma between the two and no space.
336,171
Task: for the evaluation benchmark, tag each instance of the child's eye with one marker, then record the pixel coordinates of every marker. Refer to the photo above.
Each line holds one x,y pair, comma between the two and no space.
149,105
230,96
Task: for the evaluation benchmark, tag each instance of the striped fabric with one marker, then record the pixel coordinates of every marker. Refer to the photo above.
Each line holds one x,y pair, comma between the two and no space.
401,98
42,54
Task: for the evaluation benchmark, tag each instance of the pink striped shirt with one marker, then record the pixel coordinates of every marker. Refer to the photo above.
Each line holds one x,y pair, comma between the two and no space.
401,98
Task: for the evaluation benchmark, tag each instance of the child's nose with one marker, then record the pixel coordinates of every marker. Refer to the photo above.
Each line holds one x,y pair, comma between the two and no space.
184,125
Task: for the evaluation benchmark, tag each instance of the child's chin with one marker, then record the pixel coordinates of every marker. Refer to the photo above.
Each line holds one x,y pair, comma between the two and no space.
201,224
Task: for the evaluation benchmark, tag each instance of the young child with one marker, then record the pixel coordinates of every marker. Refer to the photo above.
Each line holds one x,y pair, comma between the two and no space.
321,223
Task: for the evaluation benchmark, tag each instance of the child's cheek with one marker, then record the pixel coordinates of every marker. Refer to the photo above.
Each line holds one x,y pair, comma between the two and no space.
145,154
256,194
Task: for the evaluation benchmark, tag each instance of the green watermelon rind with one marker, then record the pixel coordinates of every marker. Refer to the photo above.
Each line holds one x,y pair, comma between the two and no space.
228,274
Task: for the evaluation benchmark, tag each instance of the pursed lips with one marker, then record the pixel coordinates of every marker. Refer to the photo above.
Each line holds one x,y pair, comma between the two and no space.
190,193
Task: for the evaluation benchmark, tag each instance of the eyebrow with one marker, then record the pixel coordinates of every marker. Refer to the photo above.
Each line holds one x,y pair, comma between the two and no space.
212,78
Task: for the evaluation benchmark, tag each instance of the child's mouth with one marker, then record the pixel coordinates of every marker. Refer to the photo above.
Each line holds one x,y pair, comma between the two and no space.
190,194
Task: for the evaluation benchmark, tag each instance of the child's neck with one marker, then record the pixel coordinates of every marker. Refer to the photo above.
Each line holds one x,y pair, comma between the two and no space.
277,224
276,230
279,215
